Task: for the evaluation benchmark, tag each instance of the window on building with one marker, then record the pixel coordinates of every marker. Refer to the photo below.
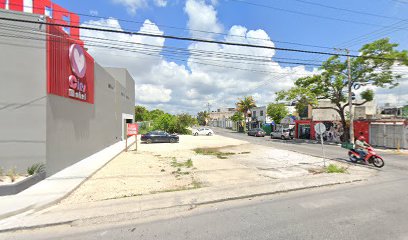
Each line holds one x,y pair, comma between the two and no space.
261,114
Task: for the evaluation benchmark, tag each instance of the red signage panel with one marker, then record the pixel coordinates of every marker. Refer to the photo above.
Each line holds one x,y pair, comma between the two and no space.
132,129
59,14
70,69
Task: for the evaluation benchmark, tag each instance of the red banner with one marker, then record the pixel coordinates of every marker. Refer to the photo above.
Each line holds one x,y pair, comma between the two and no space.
132,129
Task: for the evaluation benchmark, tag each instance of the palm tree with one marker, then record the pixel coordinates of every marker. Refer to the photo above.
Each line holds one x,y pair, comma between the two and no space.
202,118
246,104
238,119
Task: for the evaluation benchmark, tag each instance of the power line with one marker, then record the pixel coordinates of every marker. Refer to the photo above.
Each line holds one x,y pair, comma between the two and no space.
209,63
347,10
250,59
192,39
305,14
180,28
400,1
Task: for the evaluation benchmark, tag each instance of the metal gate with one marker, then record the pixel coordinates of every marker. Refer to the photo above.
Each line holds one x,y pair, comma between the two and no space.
387,135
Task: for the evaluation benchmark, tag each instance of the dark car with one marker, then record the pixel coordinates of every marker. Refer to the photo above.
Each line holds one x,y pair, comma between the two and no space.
159,137
257,132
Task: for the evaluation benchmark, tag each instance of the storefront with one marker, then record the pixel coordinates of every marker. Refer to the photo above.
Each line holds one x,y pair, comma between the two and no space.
58,105
304,129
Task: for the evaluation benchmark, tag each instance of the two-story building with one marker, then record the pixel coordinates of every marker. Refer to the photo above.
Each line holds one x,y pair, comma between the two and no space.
222,118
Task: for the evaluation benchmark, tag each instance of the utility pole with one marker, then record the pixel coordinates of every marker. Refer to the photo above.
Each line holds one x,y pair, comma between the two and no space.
350,98
209,107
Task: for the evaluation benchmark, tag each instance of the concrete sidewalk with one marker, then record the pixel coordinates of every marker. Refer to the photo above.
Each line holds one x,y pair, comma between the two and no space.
116,210
56,187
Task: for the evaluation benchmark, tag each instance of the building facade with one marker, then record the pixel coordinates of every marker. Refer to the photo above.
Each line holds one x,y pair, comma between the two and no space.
58,106
222,118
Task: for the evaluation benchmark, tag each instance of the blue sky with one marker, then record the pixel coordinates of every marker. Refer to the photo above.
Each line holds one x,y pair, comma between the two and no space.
280,25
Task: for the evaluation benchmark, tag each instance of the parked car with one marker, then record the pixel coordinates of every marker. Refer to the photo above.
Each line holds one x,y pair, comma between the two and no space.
203,131
257,132
283,133
159,137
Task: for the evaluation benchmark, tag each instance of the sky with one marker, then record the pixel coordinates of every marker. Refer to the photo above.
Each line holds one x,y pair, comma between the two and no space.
177,76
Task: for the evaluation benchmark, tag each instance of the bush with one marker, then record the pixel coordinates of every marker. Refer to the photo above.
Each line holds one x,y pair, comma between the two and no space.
36,168
144,127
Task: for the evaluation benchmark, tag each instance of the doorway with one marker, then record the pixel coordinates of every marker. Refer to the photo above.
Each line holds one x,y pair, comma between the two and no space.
126,118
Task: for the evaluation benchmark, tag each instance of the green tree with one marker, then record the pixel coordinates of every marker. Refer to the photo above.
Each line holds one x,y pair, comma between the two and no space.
237,117
154,114
186,120
202,118
373,66
277,111
166,122
245,104
140,113
405,112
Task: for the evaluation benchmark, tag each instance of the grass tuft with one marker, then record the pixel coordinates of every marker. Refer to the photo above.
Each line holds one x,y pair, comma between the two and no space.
187,164
332,168
12,174
213,152
36,168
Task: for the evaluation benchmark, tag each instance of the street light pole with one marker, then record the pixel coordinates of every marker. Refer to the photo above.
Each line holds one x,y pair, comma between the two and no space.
350,98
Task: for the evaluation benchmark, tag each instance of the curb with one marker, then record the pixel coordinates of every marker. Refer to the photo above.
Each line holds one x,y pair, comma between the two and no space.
40,206
70,222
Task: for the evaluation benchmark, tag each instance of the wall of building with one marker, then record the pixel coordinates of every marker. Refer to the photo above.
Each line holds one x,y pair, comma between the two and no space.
22,95
76,129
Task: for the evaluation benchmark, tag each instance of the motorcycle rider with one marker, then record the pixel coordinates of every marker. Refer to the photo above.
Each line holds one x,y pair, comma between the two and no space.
361,147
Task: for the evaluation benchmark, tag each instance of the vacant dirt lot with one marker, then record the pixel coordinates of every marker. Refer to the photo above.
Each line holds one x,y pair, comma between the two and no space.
195,162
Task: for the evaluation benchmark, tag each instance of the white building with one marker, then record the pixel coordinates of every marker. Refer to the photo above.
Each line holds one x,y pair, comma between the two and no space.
221,118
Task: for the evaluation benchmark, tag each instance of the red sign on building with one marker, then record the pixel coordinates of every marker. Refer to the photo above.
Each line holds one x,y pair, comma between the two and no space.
70,69
132,129
59,14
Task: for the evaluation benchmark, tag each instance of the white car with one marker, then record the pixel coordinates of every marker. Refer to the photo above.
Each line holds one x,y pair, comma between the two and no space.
203,131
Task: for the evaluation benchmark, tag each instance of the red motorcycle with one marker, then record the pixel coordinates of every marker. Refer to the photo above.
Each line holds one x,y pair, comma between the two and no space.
371,158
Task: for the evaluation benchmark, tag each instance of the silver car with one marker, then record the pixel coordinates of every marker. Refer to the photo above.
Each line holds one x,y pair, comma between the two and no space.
282,133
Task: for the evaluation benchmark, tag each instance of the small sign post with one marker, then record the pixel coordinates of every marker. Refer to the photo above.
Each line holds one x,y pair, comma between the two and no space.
132,130
320,128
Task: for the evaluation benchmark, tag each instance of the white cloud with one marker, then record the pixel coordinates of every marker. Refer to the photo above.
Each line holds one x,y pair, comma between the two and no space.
148,93
160,3
202,17
94,12
177,88
133,5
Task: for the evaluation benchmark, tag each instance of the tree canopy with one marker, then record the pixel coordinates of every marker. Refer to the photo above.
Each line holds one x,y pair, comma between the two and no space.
202,118
277,111
245,104
373,67
159,120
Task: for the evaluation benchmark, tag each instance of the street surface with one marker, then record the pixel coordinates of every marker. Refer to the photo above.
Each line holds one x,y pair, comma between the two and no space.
374,209
392,160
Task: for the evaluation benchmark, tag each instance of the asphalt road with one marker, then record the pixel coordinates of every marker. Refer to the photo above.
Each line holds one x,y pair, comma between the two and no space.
375,209
392,160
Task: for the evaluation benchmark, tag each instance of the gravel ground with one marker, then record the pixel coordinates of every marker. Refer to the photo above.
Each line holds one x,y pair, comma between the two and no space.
165,167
